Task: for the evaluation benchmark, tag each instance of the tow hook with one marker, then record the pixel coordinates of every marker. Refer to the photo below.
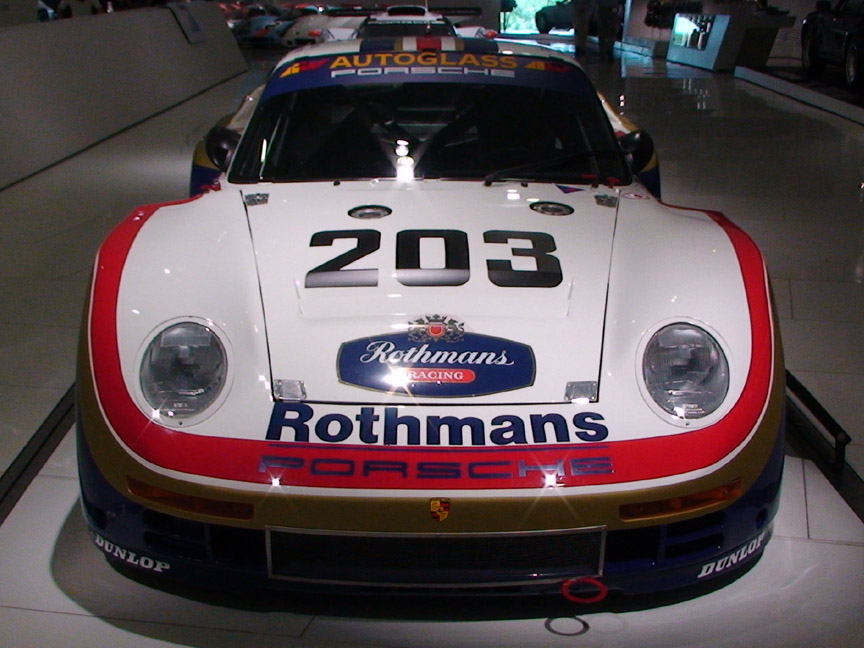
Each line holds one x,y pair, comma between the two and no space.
584,596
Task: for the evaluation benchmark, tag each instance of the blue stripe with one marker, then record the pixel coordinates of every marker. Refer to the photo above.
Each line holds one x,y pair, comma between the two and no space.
480,46
382,44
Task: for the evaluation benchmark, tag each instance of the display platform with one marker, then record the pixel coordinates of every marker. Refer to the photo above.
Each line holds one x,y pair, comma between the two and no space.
58,590
722,41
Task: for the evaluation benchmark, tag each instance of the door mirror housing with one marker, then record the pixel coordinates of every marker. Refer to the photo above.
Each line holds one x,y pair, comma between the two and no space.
639,147
220,144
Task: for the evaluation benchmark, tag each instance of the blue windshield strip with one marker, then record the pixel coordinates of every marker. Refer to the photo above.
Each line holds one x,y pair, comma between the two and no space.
463,66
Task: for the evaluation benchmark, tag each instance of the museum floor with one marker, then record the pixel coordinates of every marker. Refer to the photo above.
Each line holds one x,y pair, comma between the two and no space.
790,174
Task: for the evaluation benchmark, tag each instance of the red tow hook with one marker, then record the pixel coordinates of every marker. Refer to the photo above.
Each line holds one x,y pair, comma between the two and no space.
601,593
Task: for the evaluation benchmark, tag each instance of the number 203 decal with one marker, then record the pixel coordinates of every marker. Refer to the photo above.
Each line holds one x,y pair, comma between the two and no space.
456,271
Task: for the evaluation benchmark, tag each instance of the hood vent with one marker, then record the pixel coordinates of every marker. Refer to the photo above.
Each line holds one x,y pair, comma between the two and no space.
551,208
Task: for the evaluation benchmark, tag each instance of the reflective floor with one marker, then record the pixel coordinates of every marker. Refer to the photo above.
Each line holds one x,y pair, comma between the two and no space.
789,174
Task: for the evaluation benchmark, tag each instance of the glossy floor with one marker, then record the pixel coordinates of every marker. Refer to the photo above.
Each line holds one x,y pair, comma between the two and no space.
789,174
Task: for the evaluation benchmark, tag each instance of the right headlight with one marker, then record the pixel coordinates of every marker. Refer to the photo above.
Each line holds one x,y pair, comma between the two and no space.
183,371
685,371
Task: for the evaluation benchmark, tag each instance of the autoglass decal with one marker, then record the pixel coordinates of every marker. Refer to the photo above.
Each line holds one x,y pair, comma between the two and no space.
467,66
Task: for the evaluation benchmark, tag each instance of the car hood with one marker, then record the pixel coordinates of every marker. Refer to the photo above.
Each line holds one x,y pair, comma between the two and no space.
447,288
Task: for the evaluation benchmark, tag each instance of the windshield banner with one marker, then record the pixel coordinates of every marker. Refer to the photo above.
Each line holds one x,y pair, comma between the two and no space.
364,67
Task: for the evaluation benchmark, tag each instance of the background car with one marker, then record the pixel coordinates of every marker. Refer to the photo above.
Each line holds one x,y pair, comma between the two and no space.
405,21
44,13
239,12
835,36
411,323
415,20
556,16
314,25
262,30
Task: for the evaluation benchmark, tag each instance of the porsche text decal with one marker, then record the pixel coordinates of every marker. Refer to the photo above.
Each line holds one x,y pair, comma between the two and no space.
359,469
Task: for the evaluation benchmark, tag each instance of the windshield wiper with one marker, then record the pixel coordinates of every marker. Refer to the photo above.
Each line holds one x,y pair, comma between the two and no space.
538,165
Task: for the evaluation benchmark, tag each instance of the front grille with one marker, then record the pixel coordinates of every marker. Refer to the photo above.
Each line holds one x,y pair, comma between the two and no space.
665,545
168,535
691,539
439,560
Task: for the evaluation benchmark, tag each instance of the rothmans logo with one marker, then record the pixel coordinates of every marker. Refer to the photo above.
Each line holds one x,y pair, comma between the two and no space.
436,357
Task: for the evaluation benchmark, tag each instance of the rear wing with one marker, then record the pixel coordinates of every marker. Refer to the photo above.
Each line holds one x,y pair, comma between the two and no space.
394,10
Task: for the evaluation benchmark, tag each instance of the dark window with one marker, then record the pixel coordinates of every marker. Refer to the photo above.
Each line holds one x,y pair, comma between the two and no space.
449,130
393,29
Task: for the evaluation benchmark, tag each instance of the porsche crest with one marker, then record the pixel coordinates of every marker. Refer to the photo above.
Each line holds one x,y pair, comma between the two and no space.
439,508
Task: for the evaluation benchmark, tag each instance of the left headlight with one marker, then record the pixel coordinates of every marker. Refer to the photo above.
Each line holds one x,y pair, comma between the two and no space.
685,371
183,370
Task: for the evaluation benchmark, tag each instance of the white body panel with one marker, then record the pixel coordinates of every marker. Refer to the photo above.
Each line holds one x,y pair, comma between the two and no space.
214,258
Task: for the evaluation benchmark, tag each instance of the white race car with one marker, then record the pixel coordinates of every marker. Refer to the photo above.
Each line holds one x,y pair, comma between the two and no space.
430,335
314,27
413,20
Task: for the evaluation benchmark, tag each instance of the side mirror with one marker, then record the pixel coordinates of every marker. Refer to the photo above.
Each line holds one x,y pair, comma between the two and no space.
639,146
220,144
823,5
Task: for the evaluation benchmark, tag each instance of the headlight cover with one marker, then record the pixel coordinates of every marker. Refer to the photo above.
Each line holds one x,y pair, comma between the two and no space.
685,371
183,371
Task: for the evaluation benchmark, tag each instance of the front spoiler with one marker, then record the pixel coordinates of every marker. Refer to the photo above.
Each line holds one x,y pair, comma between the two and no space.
637,561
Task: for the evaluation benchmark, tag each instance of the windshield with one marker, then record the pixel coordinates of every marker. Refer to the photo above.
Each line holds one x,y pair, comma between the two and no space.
382,29
430,127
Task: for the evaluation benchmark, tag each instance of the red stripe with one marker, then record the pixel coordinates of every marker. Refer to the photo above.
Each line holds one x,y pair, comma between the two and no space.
429,43
241,459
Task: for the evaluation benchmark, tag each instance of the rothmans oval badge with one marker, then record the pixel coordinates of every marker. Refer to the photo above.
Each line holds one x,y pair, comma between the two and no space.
436,357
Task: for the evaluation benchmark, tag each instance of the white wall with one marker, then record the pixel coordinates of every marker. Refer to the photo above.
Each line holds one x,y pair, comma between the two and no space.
69,84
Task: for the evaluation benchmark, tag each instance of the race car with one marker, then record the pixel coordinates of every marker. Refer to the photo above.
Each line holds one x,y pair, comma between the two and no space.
262,31
430,336
347,23
314,25
414,20
556,16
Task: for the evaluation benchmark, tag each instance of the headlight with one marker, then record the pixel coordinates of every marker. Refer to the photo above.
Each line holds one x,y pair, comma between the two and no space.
685,371
183,370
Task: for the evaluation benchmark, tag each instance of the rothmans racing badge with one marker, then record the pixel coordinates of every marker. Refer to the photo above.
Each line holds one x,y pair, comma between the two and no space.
435,356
